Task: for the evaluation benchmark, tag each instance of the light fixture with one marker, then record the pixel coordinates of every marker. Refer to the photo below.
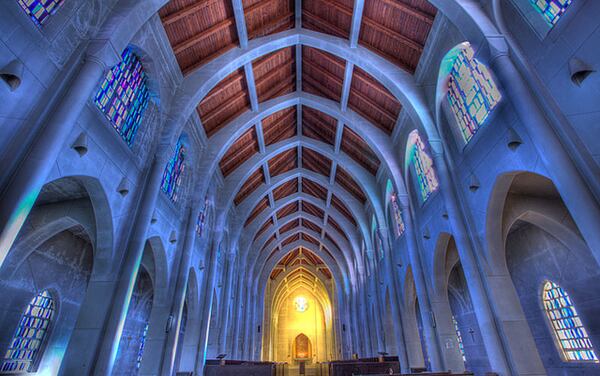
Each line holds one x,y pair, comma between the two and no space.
301,304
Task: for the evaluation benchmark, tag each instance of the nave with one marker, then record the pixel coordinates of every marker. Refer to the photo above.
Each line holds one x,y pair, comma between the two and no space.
286,187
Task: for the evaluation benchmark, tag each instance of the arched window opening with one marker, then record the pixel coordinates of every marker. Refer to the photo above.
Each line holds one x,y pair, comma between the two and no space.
123,95
173,172
40,10
398,222
570,335
423,165
140,354
201,221
551,10
472,93
24,350
461,346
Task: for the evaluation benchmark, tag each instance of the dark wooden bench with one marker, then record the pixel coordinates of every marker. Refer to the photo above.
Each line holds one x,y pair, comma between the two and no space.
213,367
360,367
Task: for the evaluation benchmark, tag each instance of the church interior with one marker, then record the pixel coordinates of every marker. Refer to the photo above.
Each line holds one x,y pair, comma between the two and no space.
300,187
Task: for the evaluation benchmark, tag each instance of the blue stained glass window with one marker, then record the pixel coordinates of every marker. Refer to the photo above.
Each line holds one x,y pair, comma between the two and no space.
173,172
201,222
40,10
423,165
461,346
24,348
551,10
399,223
123,95
472,93
571,337
138,360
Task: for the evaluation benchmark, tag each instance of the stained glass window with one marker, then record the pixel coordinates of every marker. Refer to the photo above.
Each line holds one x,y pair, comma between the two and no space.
551,10
399,223
24,349
570,335
173,172
123,95
138,360
40,10
461,346
472,93
201,222
423,165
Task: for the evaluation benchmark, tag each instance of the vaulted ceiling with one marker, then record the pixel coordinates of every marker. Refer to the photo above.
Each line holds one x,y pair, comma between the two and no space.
308,189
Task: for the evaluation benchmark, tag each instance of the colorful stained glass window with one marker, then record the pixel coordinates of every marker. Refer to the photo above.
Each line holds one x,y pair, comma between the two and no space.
398,222
173,172
40,10
123,95
24,348
571,337
138,360
201,222
423,164
551,10
472,93
461,346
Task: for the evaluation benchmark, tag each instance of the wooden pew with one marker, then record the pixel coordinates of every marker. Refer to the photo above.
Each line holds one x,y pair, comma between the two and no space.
213,367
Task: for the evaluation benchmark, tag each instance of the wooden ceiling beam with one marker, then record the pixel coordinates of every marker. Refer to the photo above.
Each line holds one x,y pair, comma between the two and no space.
411,11
325,24
278,121
190,42
273,25
281,86
324,71
230,102
226,84
393,34
273,73
187,11
317,85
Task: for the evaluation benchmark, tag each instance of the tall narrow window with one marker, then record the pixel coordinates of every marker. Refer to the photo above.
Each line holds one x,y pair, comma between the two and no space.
140,354
423,165
571,337
173,171
461,346
201,222
472,93
24,350
551,10
399,223
40,10
123,95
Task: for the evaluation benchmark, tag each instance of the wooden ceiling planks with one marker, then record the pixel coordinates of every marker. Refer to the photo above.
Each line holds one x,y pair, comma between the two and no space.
226,101
342,208
290,240
250,185
309,239
321,16
316,162
280,126
314,189
333,223
397,29
289,226
290,208
262,205
373,101
284,162
275,74
265,17
347,182
313,209
359,150
318,126
311,226
322,73
238,153
286,189
264,228
199,31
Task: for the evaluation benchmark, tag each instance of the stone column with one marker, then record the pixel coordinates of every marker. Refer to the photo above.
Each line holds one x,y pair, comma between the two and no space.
130,267
238,306
226,299
573,189
211,276
483,311
395,299
373,292
24,186
417,268
180,292
367,326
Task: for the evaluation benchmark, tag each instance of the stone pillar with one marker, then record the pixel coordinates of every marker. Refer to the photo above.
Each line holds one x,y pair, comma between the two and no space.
367,327
207,298
130,267
180,292
238,309
483,311
373,292
429,332
573,189
395,299
226,299
24,186
447,333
